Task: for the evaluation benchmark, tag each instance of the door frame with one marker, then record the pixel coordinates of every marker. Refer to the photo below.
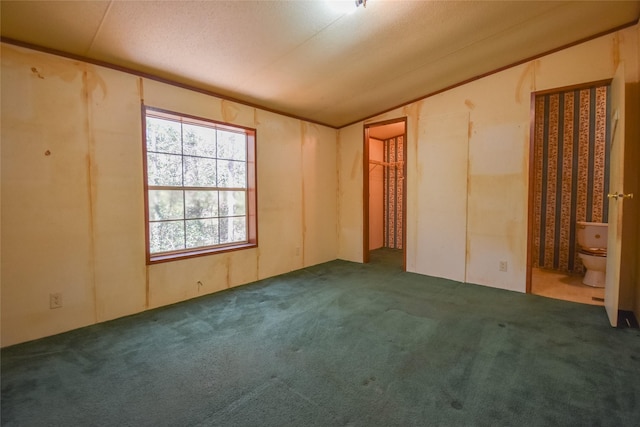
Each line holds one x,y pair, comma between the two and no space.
365,189
531,195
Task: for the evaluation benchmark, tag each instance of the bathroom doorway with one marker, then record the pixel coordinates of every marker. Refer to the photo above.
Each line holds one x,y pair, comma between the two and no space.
569,182
384,195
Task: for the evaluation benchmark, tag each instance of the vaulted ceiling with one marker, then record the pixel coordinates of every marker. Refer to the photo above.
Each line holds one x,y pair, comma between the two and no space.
324,61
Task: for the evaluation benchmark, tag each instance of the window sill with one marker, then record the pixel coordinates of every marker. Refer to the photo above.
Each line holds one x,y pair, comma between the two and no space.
177,256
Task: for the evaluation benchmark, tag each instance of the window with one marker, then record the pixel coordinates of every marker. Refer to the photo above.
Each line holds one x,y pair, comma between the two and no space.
200,186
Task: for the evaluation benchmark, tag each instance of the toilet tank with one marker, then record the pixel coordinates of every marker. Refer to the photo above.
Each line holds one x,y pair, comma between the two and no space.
592,234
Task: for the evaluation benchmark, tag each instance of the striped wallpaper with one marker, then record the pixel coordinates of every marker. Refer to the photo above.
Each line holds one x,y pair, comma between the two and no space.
571,170
393,192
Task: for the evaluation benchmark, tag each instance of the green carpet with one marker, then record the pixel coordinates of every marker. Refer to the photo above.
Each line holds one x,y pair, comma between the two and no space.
338,344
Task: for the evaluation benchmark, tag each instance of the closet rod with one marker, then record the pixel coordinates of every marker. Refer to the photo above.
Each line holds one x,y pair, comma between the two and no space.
390,164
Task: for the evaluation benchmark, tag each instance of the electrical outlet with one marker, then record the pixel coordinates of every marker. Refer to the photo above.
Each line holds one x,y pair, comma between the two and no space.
55,300
503,266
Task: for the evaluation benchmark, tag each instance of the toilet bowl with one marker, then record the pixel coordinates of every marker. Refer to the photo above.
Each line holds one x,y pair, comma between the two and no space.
596,266
592,250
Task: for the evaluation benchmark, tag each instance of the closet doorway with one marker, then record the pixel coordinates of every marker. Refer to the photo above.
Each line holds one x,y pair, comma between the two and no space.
385,195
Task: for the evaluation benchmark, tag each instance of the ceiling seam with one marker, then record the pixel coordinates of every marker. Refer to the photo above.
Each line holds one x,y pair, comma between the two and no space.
450,53
102,20
483,39
293,49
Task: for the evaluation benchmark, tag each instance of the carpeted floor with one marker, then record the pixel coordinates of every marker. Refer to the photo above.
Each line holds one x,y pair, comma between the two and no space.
338,344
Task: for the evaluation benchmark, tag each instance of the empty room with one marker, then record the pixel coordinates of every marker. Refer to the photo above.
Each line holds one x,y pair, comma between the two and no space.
320,213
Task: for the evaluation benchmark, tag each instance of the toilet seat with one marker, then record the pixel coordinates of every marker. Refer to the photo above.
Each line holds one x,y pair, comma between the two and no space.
594,251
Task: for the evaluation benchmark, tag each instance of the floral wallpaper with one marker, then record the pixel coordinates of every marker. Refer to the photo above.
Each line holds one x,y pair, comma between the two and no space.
571,169
393,192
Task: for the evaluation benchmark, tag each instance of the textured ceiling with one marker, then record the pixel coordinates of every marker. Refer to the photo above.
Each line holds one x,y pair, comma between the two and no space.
311,59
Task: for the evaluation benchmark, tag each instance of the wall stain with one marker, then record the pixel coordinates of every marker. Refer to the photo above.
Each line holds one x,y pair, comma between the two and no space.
47,66
35,71
229,111
469,104
43,66
141,89
528,72
146,287
94,81
523,241
338,187
412,205
419,170
536,70
87,86
357,163
526,138
303,134
467,248
258,254
414,113
517,239
615,50
227,263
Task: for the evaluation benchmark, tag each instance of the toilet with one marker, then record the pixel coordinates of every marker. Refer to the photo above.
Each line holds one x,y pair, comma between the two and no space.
592,250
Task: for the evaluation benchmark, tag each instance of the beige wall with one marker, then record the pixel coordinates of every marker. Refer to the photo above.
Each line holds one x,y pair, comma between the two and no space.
468,159
73,202
350,196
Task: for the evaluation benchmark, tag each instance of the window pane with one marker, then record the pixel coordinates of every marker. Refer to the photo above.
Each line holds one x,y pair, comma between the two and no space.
232,174
233,230
164,169
239,229
166,236
201,204
165,205
163,136
199,172
197,185
232,145
199,141
202,232
232,203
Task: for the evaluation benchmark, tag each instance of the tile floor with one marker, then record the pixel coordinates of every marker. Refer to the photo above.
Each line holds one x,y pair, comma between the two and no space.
558,285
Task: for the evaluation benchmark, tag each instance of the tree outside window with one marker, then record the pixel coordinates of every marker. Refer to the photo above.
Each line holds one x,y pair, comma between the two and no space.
200,178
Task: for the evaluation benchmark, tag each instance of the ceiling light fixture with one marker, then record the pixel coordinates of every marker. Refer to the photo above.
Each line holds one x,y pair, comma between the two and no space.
345,7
